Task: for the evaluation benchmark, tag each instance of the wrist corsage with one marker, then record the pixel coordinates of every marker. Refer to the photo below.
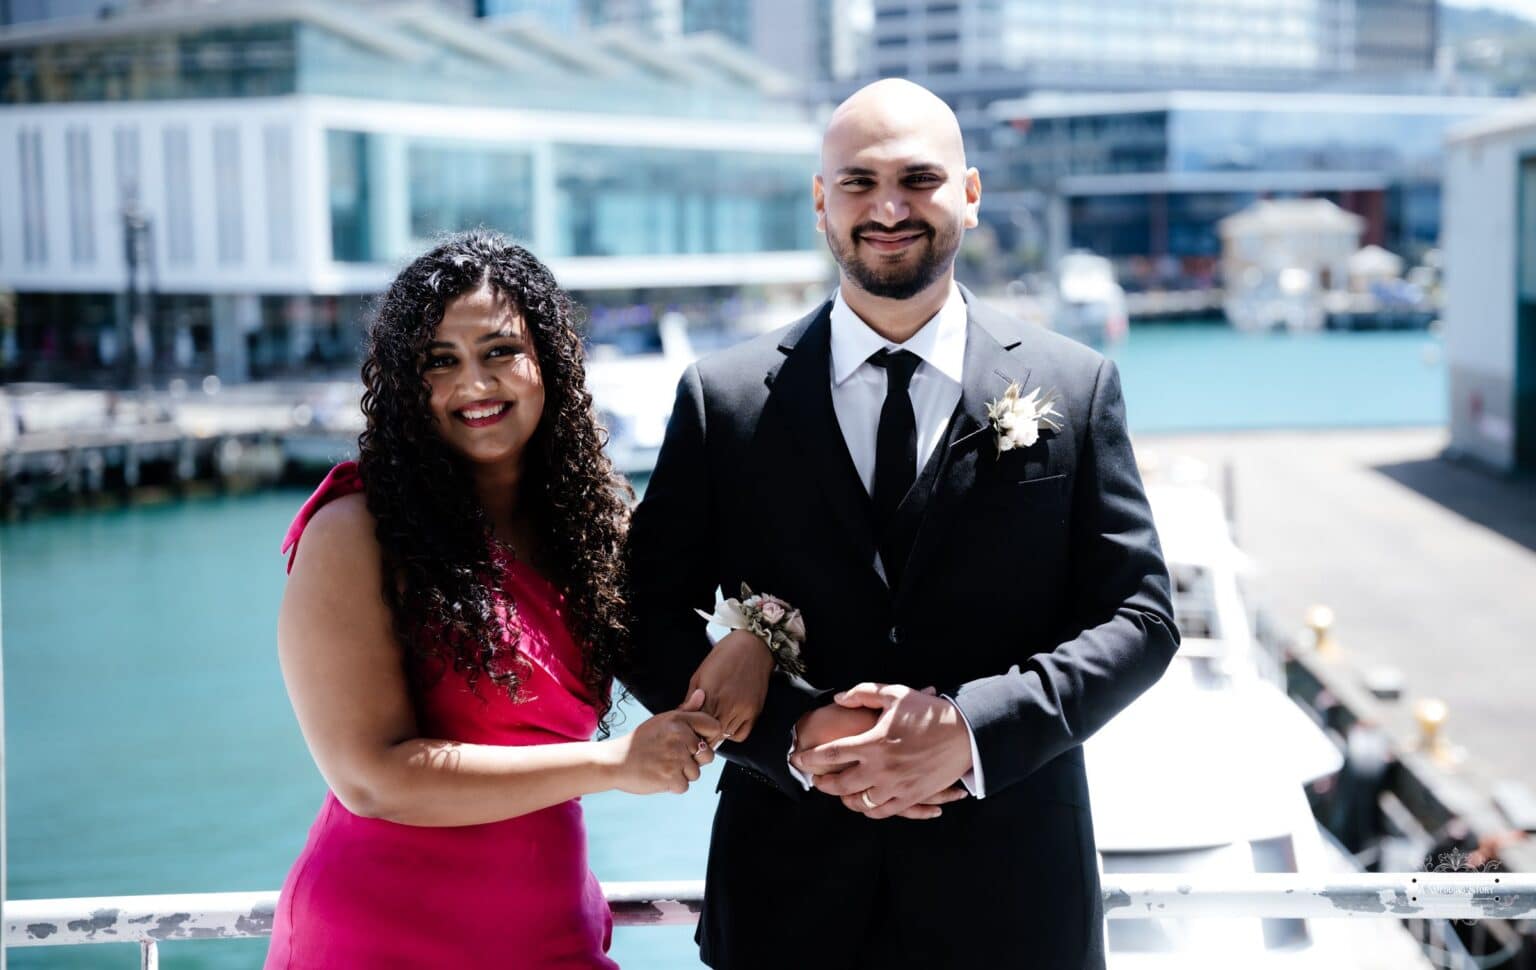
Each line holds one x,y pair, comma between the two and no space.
781,626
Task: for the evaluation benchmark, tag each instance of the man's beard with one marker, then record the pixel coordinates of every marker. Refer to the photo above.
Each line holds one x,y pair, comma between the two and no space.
899,282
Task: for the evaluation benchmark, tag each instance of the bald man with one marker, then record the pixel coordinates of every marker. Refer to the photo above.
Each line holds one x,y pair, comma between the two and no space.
980,593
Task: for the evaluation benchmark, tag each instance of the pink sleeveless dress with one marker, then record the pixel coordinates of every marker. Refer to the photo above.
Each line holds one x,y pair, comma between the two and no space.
366,894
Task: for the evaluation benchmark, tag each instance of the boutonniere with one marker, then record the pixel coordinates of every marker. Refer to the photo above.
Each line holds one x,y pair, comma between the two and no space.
1018,418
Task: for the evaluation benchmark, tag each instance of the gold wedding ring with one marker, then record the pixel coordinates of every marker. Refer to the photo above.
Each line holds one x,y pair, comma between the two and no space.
865,796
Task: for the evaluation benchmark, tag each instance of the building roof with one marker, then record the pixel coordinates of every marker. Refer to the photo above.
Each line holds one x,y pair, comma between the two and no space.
1286,216
1517,116
527,32
734,62
181,17
452,58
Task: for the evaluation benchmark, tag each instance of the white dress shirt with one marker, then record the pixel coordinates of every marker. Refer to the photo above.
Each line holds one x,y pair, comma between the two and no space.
858,394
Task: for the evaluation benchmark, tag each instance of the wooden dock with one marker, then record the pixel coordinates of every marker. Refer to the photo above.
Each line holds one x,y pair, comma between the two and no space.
110,449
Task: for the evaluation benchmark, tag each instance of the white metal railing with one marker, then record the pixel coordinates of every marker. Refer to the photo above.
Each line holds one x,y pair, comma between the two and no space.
151,920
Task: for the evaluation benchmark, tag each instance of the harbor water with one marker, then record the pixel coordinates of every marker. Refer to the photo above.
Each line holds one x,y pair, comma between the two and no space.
150,747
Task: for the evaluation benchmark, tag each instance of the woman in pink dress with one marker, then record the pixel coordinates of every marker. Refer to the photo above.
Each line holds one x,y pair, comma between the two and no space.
451,626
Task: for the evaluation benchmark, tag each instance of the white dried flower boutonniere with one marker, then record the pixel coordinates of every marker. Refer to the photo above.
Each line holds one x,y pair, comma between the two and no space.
780,625
1018,418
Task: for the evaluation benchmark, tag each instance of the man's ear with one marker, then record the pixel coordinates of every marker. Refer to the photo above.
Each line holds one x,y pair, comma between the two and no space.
972,198
819,199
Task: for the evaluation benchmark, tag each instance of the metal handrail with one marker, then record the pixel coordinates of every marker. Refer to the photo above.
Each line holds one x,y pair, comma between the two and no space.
151,920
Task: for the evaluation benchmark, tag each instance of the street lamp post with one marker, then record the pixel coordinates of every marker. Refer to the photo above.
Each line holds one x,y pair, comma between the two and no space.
135,326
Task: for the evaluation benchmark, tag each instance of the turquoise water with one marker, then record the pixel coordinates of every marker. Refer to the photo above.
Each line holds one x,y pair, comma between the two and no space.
150,747
1206,378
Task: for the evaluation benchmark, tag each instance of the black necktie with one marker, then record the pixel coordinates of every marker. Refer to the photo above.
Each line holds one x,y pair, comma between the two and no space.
895,450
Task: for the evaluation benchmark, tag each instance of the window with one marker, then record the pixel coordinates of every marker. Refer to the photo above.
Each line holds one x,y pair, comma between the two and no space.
347,156
228,194
34,226
82,208
464,186
125,152
616,201
178,197
277,151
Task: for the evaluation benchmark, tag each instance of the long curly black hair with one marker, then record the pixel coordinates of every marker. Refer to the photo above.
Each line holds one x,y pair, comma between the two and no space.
439,575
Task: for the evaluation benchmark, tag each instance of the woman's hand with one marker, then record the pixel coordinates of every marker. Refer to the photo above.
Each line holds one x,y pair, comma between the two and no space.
666,752
734,679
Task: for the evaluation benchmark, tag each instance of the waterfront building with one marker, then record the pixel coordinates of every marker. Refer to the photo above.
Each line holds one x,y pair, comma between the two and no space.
1145,177
971,48
978,53
220,188
1490,288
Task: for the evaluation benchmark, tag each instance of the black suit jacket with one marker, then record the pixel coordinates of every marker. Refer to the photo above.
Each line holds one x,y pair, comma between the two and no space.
1035,594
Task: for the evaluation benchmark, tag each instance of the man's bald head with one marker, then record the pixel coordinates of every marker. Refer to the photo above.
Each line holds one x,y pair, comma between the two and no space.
894,195
893,114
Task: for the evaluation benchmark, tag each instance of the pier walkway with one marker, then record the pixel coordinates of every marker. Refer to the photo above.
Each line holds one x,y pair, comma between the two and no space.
1429,565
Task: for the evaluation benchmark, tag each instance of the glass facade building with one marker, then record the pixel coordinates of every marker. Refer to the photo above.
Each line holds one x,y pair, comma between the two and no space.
1147,43
391,195
1197,133
274,168
1144,178
416,54
653,201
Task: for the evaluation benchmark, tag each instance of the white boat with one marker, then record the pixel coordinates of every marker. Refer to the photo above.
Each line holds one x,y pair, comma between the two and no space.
1089,306
1204,774
633,392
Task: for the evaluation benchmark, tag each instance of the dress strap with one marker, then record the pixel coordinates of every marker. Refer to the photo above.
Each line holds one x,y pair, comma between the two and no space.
344,479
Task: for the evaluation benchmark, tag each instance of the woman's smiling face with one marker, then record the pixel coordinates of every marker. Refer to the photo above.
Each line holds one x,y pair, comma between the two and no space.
483,371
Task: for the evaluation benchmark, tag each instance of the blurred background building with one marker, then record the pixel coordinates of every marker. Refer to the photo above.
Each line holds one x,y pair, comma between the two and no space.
218,188
1132,127
1490,237
221,184
1144,178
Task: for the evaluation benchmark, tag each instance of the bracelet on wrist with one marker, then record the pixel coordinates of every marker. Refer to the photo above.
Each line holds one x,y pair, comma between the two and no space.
779,625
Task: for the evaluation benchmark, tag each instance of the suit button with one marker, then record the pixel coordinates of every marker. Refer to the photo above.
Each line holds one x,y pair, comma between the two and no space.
895,635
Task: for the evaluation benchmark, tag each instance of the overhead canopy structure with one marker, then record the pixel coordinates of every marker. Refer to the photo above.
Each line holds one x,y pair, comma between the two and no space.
1286,218
411,51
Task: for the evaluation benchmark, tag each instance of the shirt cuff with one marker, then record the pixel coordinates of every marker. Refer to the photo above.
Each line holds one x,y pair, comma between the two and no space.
803,779
973,779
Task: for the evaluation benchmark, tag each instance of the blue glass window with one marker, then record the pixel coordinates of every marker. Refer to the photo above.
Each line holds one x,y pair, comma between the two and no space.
455,187
351,236
615,201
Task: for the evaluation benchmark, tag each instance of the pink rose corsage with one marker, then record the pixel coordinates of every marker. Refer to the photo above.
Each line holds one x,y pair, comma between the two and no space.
779,625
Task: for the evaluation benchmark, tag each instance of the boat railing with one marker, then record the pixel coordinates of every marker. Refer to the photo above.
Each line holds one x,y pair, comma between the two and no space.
151,920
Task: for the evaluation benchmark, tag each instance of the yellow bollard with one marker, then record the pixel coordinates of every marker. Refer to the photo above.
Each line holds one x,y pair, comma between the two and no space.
1320,622
1430,713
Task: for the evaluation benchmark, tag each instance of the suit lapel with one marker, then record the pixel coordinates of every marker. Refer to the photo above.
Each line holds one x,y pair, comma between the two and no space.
988,370
801,386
